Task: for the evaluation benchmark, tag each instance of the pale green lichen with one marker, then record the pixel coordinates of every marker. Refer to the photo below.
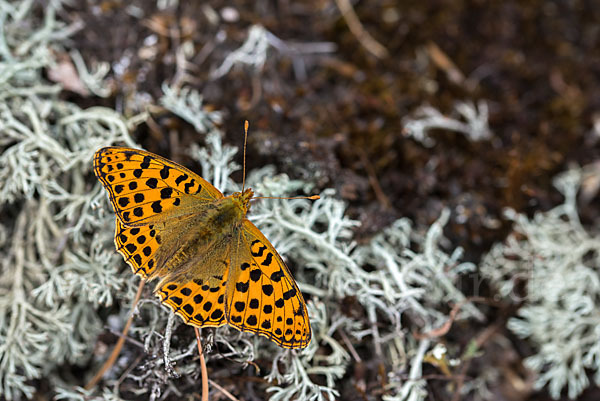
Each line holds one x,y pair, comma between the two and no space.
557,259
467,118
253,52
55,270
187,103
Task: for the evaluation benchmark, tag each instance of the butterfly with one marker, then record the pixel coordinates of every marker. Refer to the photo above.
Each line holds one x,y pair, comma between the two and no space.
214,265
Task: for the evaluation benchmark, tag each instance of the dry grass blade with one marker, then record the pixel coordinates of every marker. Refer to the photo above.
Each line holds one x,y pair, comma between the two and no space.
115,353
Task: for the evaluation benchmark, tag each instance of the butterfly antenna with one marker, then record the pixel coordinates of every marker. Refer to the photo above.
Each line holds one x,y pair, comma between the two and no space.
312,197
246,124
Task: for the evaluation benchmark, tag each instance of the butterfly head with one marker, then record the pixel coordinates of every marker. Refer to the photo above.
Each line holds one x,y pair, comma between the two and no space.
244,198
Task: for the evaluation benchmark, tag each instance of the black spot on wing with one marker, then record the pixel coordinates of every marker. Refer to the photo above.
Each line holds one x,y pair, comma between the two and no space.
267,260
152,183
181,179
156,207
260,251
255,275
189,186
164,173
276,276
289,293
145,162
166,193
243,287
267,289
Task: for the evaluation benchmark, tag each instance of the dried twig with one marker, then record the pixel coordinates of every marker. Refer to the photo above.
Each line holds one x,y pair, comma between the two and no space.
445,328
373,180
202,367
365,39
117,350
225,392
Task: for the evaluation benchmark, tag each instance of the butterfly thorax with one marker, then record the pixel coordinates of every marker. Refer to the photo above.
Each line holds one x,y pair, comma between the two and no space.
227,214
222,217
216,224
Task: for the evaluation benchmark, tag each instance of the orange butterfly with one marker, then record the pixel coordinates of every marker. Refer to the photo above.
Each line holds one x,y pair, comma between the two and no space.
215,266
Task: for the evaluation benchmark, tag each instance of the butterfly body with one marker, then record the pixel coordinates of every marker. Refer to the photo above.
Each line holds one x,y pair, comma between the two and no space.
230,211
214,266
217,223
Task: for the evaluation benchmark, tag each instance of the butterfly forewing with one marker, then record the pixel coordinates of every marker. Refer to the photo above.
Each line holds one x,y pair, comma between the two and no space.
143,186
262,296
138,245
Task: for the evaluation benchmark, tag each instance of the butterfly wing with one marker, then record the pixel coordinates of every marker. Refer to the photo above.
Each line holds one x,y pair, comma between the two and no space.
262,296
139,246
197,302
196,292
144,188
240,280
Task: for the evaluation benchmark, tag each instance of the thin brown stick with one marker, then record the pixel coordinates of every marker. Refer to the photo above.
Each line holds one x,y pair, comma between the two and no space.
443,62
373,180
350,346
445,328
480,340
364,38
225,392
202,366
117,350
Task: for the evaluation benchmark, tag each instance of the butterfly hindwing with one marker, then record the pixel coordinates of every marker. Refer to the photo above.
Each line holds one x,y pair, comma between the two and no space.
195,289
262,296
143,187
199,303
